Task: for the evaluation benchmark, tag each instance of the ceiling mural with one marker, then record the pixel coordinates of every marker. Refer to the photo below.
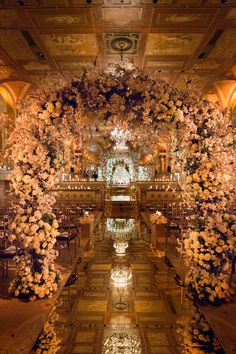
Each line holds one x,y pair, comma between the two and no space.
52,20
70,44
172,44
60,18
178,18
122,16
171,37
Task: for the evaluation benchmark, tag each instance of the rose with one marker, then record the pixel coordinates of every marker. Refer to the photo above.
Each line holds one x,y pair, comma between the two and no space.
38,214
34,228
26,179
233,227
55,223
207,256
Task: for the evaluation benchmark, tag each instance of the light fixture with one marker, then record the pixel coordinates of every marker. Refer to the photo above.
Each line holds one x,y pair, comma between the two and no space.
122,343
120,228
120,137
121,275
120,247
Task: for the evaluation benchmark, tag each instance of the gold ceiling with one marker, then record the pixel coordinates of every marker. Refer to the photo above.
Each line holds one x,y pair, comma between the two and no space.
178,38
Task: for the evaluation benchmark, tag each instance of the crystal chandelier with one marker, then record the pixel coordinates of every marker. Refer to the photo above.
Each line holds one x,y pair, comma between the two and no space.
122,343
121,226
120,247
120,137
121,275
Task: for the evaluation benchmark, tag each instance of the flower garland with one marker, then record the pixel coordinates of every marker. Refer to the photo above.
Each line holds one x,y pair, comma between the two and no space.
35,226
127,98
207,191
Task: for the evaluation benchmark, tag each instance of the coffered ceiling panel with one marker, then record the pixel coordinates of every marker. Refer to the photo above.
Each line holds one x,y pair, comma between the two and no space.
118,42
9,19
231,15
225,47
70,44
15,45
123,16
181,18
59,18
173,44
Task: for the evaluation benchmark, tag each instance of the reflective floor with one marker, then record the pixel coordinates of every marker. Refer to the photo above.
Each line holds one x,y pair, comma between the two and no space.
88,312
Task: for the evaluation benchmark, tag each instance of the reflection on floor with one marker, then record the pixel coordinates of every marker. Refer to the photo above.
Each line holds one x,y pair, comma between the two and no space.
153,302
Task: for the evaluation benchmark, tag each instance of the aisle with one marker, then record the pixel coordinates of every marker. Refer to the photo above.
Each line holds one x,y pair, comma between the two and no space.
153,302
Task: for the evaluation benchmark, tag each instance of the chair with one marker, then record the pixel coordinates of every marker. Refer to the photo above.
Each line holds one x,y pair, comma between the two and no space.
182,286
8,250
7,255
175,221
68,235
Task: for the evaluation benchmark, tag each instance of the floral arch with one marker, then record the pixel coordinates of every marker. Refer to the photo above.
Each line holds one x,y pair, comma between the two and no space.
130,98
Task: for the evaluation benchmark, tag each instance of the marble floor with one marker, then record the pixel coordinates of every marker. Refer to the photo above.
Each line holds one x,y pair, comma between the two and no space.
153,302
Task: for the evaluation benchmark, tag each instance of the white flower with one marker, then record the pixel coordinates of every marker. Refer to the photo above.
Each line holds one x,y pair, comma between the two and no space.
50,107
34,228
